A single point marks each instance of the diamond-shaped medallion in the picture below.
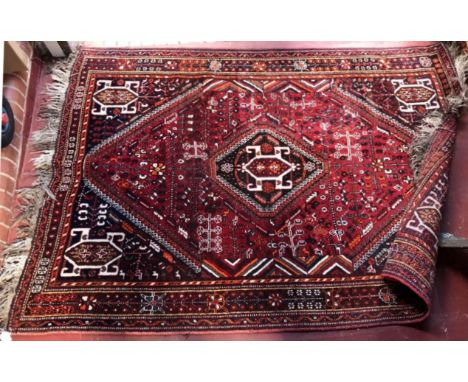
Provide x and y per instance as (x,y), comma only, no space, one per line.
(265,169)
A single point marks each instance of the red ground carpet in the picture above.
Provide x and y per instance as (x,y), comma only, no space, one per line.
(215,190)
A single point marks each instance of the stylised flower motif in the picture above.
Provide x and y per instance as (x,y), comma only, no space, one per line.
(387,296)
(267,148)
(152,303)
(312,292)
(309,166)
(216,302)
(84,254)
(275,300)
(300,65)
(171,65)
(345,65)
(227,167)
(157,169)
(215,65)
(425,62)
(101,254)
(259,66)
(87,303)
(261,167)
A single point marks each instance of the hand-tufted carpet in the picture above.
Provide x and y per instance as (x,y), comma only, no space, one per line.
(214,190)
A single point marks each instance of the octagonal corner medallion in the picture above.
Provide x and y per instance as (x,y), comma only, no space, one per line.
(265,168)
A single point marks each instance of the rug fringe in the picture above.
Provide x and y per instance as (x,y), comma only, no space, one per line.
(14,259)
(435,120)
(32,199)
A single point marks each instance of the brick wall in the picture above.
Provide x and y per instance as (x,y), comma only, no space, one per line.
(15,89)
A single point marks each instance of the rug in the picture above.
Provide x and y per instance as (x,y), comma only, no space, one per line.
(216,190)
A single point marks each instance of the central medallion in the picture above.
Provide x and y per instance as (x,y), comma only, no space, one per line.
(265,168)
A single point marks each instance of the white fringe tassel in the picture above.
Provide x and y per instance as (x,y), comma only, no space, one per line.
(32,199)
(435,120)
